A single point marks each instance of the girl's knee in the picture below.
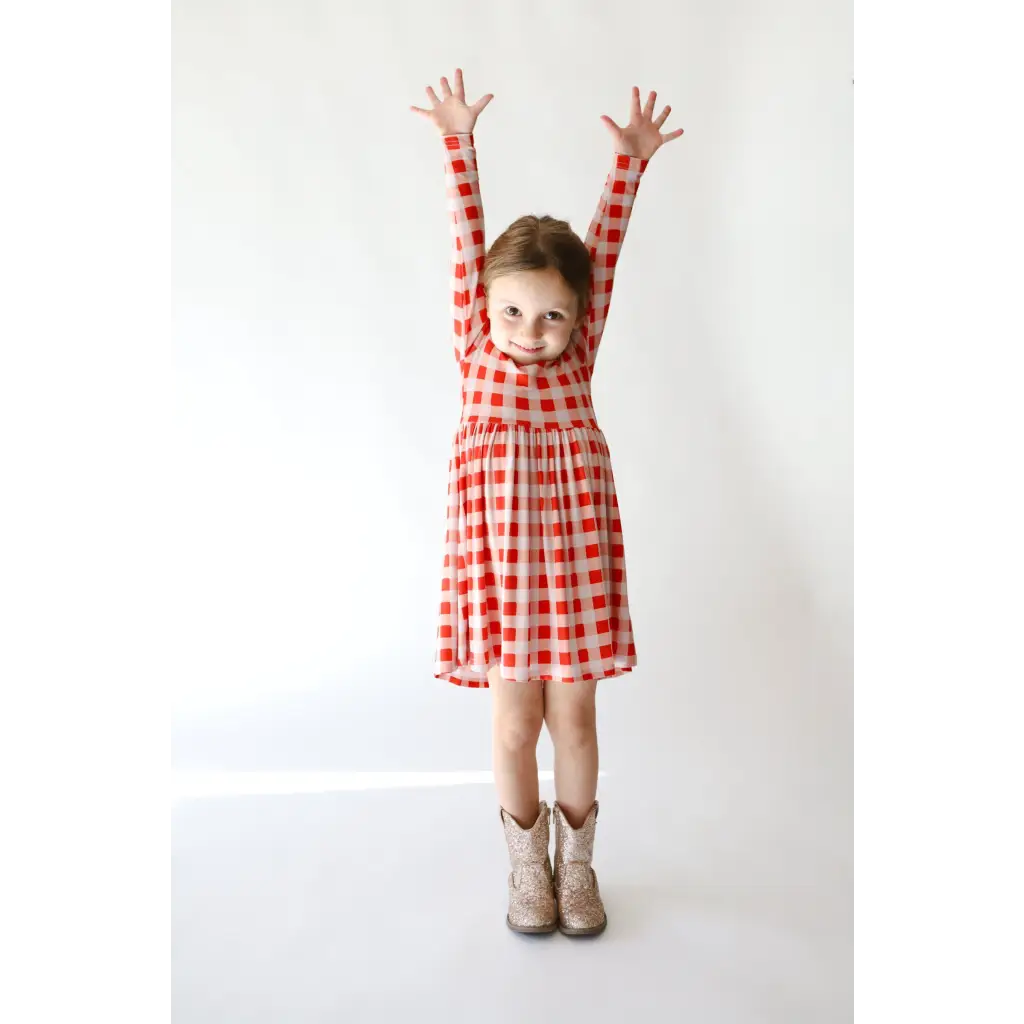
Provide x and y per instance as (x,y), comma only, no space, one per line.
(572,730)
(518,729)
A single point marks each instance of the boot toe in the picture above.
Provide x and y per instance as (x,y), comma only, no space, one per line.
(533,918)
(583,921)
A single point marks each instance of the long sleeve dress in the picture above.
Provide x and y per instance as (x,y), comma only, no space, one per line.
(534,576)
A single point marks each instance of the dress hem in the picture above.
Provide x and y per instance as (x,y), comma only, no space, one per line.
(474,682)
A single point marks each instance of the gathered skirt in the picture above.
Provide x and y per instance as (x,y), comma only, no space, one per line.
(534,575)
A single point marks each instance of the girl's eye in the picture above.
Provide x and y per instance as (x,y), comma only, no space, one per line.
(512,310)
(557,316)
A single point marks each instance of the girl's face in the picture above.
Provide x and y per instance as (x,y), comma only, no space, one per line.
(533,314)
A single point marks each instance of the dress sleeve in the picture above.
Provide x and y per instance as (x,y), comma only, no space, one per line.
(604,240)
(467,227)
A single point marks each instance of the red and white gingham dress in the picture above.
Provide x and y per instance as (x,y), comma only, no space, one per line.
(534,575)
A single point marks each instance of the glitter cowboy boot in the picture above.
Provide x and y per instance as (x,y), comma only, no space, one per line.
(580,909)
(531,895)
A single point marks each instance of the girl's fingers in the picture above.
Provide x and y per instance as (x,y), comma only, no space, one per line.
(482,102)
(460,90)
(432,96)
(420,110)
(672,135)
(635,104)
(649,107)
(662,117)
(446,89)
(611,126)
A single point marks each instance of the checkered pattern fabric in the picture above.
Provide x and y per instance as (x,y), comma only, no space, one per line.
(534,576)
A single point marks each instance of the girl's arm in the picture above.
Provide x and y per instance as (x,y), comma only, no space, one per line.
(634,146)
(604,239)
(455,121)
(467,227)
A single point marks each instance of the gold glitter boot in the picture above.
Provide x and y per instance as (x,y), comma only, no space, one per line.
(531,894)
(580,908)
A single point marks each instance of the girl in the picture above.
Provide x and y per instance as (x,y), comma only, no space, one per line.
(533,602)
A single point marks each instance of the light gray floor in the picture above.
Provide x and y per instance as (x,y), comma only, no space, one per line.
(730,903)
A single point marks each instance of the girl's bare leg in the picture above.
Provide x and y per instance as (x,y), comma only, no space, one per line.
(571,715)
(518,716)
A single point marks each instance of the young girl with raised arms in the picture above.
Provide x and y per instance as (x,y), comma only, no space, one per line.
(533,592)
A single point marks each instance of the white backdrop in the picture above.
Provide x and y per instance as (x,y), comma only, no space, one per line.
(318,392)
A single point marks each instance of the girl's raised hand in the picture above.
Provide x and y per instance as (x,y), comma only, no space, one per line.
(642,136)
(450,114)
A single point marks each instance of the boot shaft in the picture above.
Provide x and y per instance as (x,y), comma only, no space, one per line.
(574,845)
(528,846)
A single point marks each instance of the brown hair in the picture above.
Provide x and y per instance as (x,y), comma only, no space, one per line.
(536,243)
